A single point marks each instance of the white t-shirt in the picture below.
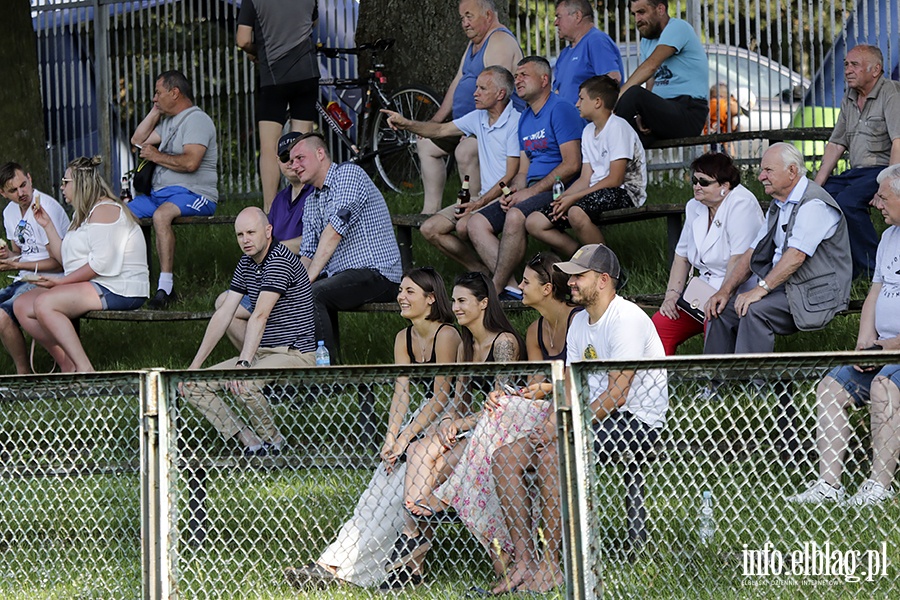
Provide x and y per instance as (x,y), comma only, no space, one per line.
(615,141)
(887,273)
(31,238)
(624,332)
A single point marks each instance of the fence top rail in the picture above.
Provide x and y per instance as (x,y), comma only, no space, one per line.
(772,135)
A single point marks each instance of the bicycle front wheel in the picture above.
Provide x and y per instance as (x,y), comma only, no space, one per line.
(396,157)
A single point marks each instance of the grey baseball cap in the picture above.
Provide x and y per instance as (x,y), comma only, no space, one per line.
(593,257)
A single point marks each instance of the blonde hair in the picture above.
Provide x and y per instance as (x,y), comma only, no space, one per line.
(89,188)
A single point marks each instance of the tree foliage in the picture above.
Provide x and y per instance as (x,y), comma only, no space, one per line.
(22,125)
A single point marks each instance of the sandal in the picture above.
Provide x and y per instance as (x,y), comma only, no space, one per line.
(447,515)
(406,549)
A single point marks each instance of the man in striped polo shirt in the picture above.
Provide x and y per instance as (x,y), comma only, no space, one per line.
(280,333)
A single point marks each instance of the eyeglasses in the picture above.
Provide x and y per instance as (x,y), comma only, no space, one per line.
(64,181)
(702,182)
(20,232)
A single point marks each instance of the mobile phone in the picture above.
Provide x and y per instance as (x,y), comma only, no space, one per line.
(509,390)
(30,277)
(138,146)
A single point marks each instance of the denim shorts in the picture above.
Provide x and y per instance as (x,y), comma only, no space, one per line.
(9,294)
(497,217)
(112,301)
(245,302)
(858,384)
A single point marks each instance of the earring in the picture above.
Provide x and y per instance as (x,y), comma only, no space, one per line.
(722,193)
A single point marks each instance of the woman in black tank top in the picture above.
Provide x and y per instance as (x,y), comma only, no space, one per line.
(431,338)
(545,289)
(487,336)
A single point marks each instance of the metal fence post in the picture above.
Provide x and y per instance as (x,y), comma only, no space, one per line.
(568,418)
(154,487)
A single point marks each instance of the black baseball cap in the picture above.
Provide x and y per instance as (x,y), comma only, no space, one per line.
(285,144)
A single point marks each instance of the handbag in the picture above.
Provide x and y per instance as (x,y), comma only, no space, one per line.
(142,180)
(694,298)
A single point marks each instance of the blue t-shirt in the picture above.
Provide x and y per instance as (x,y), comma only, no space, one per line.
(685,73)
(595,54)
(541,135)
(472,66)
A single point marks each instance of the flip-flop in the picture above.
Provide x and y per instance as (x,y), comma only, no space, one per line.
(448,515)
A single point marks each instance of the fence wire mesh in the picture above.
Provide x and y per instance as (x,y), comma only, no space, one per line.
(70,484)
(708,509)
(246,526)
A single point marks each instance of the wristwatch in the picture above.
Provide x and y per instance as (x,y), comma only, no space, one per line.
(764,285)
(243,363)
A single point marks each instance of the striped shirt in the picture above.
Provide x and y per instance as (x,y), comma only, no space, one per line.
(353,206)
(291,322)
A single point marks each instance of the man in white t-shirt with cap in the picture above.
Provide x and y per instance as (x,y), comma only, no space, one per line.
(26,251)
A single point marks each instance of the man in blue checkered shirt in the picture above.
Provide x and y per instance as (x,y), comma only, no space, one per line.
(348,248)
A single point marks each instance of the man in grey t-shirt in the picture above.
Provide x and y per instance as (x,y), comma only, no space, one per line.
(181,139)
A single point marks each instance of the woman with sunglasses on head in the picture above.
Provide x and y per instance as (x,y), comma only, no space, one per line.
(545,289)
(104,257)
(360,550)
(721,223)
(487,336)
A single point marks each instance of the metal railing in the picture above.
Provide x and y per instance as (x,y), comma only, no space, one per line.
(98,59)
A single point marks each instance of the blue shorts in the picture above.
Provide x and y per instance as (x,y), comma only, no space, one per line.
(190,204)
(858,384)
(9,294)
(112,301)
(497,217)
(245,302)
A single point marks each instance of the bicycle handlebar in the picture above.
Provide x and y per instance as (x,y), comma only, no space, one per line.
(379,45)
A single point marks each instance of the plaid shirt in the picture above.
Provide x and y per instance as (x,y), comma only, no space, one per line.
(354,207)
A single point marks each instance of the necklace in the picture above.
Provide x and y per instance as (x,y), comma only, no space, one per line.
(423,344)
(551,330)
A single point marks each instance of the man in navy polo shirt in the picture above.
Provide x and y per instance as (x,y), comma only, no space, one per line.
(280,333)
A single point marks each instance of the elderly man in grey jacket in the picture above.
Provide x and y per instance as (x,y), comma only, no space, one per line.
(801,258)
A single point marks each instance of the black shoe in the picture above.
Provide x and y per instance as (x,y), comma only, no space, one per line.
(407,549)
(400,579)
(161,300)
(310,577)
(267,449)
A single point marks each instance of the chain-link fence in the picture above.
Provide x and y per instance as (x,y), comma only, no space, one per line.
(70,486)
(715,503)
(239,522)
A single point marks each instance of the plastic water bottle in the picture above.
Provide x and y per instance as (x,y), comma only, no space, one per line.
(706,525)
(323,359)
(558,188)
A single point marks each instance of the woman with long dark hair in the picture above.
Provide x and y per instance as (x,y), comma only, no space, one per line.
(487,336)
(359,551)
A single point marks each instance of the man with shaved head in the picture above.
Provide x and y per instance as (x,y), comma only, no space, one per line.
(280,333)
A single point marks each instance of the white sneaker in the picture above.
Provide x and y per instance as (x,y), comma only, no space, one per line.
(870,493)
(818,492)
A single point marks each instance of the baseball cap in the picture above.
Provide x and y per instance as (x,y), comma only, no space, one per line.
(593,257)
(284,145)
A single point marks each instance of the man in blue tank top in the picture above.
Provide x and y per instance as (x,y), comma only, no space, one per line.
(490,43)
(590,51)
(675,68)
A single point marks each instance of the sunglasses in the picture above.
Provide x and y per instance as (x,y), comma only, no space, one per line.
(702,182)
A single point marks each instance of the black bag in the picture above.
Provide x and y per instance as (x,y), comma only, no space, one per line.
(143,177)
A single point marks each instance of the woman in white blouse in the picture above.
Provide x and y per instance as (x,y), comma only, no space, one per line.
(105,261)
(721,222)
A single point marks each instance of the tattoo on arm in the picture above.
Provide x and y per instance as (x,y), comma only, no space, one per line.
(506,350)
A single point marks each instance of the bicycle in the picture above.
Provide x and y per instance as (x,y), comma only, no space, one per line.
(394,152)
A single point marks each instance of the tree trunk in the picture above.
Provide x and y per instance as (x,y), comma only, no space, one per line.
(430,41)
(22,125)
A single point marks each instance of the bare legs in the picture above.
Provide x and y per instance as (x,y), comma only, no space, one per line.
(47,315)
(584,229)
(434,170)
(885,416)
(833,429)
(438,231)
(14,342)
(505,253)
